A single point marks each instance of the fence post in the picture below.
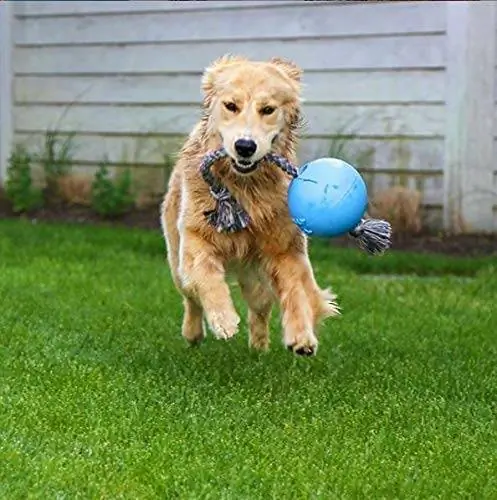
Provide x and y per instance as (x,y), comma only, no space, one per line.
(469,141)
(6,121)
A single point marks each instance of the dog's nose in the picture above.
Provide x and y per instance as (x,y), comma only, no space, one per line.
(245,147)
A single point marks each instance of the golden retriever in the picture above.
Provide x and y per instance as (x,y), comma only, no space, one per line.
(250,108)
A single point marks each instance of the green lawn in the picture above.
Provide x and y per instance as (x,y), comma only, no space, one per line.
(101,398)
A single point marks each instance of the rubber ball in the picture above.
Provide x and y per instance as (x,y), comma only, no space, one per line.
(328,198)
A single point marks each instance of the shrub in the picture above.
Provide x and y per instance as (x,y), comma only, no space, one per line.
(19,188)
(111,198)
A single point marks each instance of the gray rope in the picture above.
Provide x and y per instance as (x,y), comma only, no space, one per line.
(283,163)
(373,235)
(228,215)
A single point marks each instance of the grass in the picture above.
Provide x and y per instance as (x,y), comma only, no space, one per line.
(100,397)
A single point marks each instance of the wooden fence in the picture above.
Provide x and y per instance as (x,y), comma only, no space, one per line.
(409,84)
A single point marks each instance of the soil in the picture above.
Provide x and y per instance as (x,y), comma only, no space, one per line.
(456,245)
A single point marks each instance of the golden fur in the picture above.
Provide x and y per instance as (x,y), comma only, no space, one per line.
(259,100)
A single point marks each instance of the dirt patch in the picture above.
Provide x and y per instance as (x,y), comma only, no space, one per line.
(145,218)
(148,218)
(468,245)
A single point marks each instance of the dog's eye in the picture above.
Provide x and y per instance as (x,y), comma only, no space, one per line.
(231,106)
(267,110)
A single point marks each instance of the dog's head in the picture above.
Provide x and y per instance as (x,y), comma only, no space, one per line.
(250,105)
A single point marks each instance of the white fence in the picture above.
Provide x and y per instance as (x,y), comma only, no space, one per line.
(412,83)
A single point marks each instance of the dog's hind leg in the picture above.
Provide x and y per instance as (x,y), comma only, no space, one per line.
(193,324)
(259,297)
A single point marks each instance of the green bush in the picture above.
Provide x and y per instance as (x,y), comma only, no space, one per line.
(19,187)
(111,198)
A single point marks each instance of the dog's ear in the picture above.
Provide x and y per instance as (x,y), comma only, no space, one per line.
(288,67)
(213,71)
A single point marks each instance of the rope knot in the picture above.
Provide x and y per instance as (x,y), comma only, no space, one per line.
(221,194)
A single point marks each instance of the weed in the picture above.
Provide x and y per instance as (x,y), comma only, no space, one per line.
(340,147)
(168,159)
(111,198)
(401,206)
(147,178)
(56,159)
(168,162)
(19,187)
(75,189)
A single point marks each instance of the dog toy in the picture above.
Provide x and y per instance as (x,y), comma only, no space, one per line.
(327,198)
(373,235)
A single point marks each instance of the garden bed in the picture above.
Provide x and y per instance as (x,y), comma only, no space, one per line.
(463,245)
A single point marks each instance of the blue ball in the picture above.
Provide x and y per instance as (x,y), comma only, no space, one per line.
(328,198)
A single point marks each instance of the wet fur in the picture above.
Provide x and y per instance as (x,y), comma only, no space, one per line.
(269,258)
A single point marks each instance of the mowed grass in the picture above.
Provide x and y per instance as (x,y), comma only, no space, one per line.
(101,398)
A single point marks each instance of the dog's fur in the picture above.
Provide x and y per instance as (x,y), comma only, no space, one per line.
(260,101)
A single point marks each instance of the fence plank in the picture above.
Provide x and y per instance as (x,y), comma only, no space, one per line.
(106,7)
(386,121)
(321,19)
(430,187)
(6,111)
(398,156)
(319,87)
(415,51)
(470,116)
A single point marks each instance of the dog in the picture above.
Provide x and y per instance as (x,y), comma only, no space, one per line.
(250,108)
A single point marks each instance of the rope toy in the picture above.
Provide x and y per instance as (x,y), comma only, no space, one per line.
(228,216)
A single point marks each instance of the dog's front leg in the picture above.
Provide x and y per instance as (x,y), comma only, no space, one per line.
(202,277)
(303,303)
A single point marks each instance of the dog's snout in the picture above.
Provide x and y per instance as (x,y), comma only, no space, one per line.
(245,147)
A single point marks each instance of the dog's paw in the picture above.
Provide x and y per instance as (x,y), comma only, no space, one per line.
(194,339)
(304,344)
(224,325)
(193,330)
(259,343)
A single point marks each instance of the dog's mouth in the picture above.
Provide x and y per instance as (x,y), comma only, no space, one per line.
(245,166)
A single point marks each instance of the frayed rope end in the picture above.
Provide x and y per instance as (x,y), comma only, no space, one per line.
(373,235)
(228,216)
